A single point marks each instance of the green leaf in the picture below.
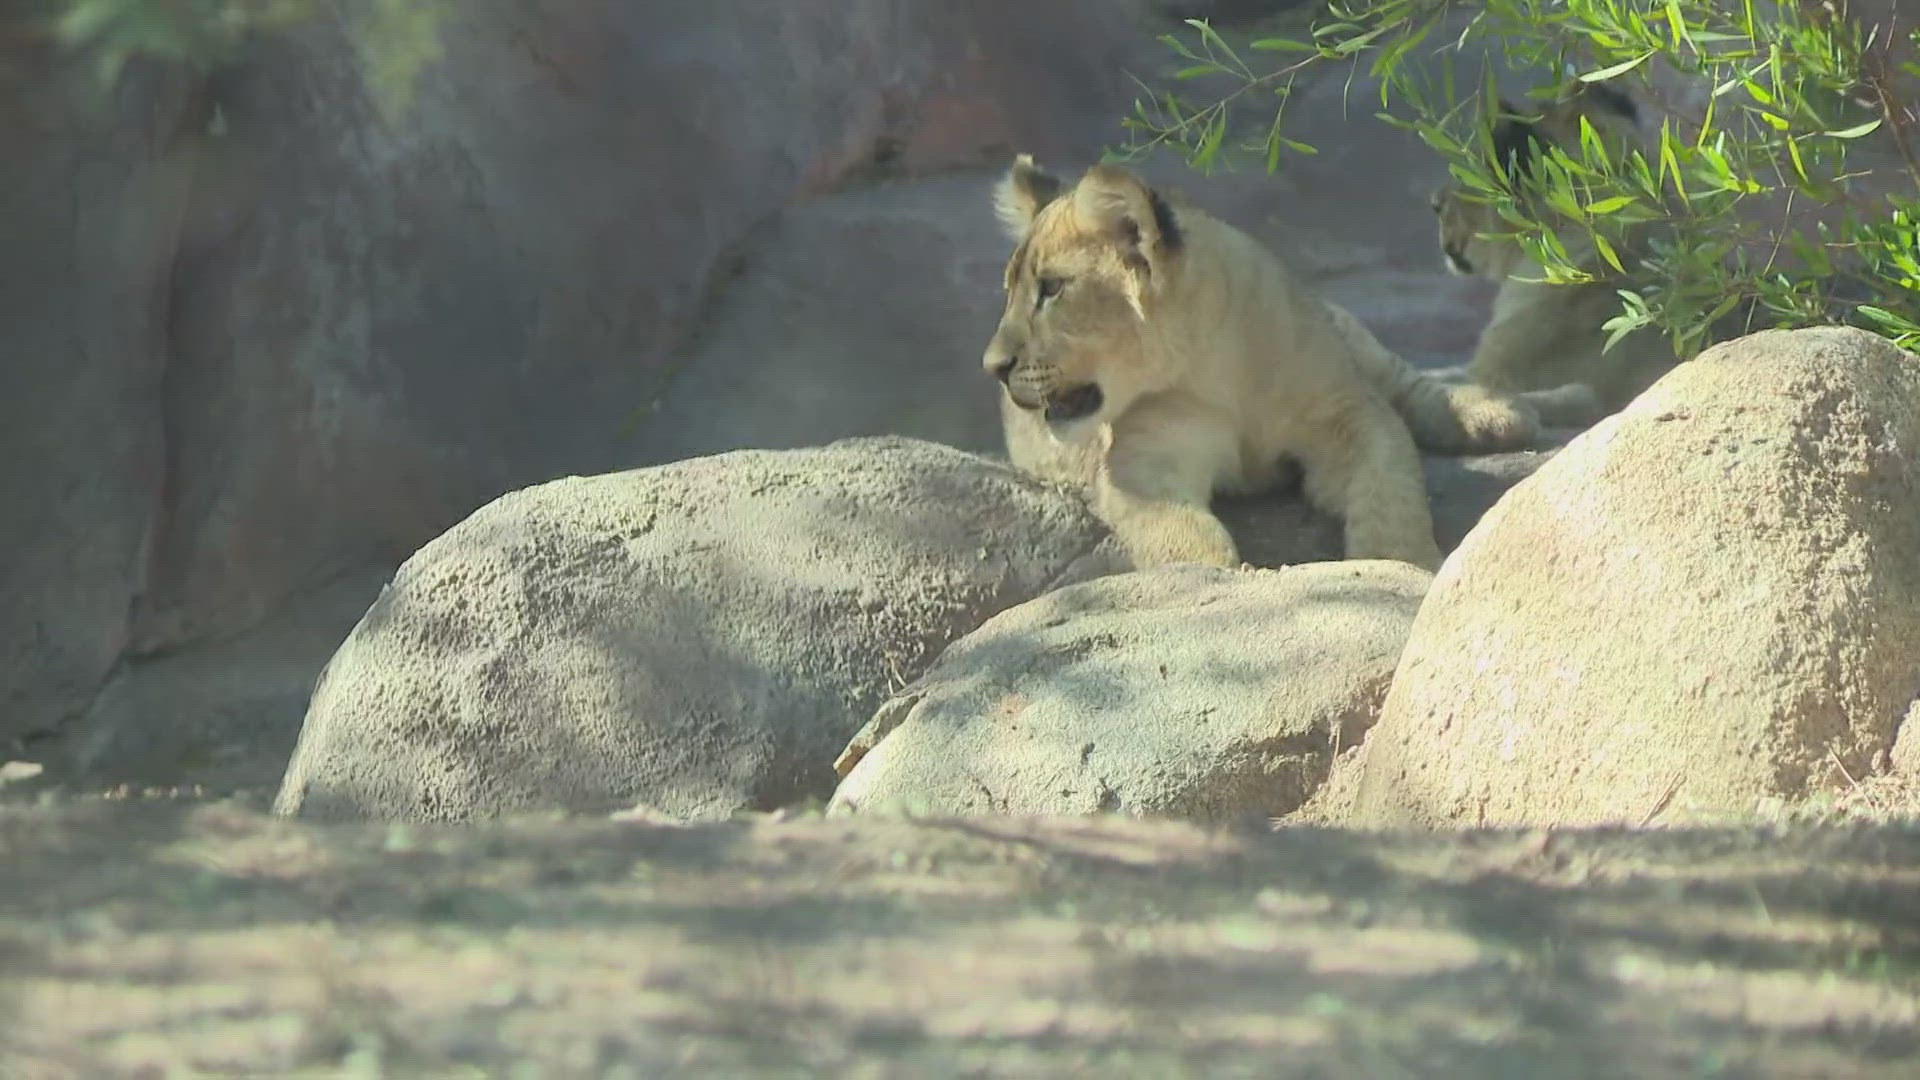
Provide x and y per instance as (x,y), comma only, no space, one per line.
(1209,148)
(1196,71)
(1355,44)
(1621,68)
(1274,44)
(1611,205)
(1799,166)
(1620,326)
(1590,147)
(1607,252)
(1677,24)
(1854,132)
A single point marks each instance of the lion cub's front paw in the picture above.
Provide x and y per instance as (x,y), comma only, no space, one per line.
(1169,533)
(1402,533)
(1494,423)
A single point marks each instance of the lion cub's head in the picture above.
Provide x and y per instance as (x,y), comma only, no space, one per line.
(1470,230)
(1092,262)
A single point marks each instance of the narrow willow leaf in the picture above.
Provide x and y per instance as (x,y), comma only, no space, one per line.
(1607,252)
(1677,24)
(1854,132)
(1355,44)
(1274,44)
(1620,326)
(1799,166)
(1621,68)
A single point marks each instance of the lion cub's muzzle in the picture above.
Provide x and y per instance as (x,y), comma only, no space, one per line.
(1058,406)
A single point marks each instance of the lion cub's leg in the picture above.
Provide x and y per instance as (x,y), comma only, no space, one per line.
(1156,486)
(1363,467)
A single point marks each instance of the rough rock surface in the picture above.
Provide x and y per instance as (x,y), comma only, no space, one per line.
(1189,691)
(1706,604)
(697,638)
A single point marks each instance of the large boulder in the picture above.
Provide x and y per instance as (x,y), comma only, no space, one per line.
(1185,691)
(698,638)
(1707,603)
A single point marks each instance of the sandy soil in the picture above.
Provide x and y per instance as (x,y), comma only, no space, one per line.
(147,938)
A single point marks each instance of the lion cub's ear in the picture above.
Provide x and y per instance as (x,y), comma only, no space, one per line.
(1114,202)
(1020,195)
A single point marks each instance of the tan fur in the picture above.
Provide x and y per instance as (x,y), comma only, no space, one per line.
(1544,335)
(1178,357)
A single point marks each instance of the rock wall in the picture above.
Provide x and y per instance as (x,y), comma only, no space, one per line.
(271,324)
(90,209)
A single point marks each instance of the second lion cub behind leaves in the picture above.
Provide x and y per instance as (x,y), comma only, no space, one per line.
(1157,355)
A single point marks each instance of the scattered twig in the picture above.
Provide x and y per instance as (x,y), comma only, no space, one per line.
(1838,764)
(1673,788)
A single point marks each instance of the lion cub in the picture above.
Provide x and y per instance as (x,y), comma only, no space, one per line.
(1156,355)
(1540,334)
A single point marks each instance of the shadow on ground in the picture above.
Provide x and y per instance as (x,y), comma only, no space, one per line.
(144,937)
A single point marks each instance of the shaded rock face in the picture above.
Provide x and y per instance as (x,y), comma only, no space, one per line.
(391,312)
(1707,603)
(90,212)
(1186,691)
(859,313)
(1279,528)
(697,638)
(307,326)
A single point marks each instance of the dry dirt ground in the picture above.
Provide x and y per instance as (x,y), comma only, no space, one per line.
(158,938)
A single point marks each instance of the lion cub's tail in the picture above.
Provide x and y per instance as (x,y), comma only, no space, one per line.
(1464,418)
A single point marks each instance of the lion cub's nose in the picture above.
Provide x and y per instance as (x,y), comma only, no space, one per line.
(1004,368)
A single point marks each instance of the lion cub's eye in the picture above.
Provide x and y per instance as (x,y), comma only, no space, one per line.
(1050,287)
